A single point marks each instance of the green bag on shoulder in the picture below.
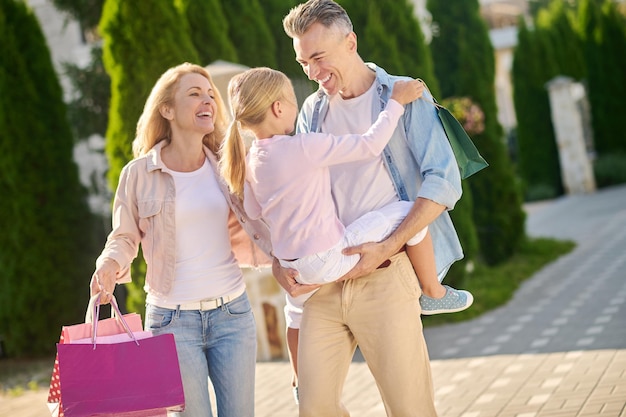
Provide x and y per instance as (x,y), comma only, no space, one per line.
(467,156)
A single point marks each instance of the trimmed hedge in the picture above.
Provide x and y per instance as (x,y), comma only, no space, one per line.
(465,66)
(47,240)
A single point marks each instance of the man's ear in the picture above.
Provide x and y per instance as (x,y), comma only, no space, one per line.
(351,42)
(167,112)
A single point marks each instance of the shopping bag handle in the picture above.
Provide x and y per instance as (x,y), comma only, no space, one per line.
(432,101)
(95,308)
(89,314)
(92,301)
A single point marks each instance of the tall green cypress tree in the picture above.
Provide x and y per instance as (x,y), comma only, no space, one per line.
(250,33)
(275,11)
(209,30)
(464,65)
(551,49)
(376,44)
(559,23)
(615,76)
(390,35)
(538,159)
(141,41)
(399,19)
(603,29)
(47,241)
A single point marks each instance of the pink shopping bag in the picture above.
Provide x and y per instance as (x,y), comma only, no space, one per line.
(76,391)
(137,378)
(76,332)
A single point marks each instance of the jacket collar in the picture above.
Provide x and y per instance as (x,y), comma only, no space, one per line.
(382,78)
(153,157)
(319,105)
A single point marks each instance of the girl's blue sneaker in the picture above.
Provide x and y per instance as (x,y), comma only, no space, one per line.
(452,302)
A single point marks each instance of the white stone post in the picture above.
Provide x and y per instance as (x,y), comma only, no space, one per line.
(569,130)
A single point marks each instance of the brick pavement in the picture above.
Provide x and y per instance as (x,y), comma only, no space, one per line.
(578,383)
(577,302)
(563,384)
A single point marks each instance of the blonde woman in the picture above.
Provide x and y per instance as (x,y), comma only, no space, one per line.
(172,201)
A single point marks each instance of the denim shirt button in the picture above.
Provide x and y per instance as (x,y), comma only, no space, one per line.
(242,219)
(256,236)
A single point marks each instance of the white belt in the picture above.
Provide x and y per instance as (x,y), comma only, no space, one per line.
(204,305)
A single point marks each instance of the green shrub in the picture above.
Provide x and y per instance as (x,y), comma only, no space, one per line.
(610,169)
(538,192)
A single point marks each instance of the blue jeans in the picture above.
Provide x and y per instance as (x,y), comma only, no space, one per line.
(218,344)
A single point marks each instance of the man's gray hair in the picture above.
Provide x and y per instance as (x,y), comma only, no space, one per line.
(326,12)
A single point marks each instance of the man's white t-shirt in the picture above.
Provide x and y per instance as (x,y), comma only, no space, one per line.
(362,186)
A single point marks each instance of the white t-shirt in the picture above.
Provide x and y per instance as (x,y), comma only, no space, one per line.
(362,186)
(205,267)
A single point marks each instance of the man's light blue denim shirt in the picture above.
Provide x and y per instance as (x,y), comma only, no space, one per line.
(418,157)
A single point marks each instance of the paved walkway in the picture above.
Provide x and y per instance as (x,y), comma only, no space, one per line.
(577,302)
(557,349)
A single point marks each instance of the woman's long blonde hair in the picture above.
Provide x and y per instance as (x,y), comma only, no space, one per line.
(153,128)
(251,94)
